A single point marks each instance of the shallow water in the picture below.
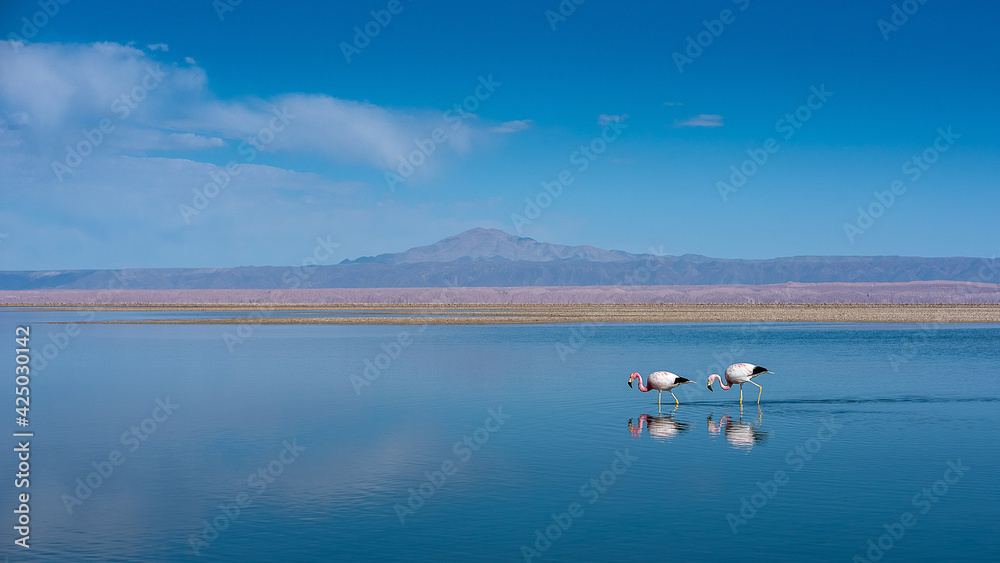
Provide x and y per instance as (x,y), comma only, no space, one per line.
(470,442)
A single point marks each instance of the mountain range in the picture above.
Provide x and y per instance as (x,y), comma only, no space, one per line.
(493,258)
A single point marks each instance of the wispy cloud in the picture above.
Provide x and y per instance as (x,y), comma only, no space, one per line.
(673,103)
(60,89)
(702,120)
(606,119)
(148,140)
(513,126)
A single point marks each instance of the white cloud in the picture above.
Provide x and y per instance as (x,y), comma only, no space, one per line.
(605,119)
(513,126)
(190,60)
(702,120)
(65,89)
(673,103)
(148,139)
(159,47)
(342,130)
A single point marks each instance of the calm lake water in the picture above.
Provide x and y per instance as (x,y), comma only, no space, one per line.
(506,443)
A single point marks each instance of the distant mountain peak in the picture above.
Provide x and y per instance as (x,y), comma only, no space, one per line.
(486,245)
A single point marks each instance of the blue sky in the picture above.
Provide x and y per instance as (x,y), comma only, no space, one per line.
(314,139)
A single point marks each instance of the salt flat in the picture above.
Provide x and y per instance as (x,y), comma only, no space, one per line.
(442,314)
(895,292)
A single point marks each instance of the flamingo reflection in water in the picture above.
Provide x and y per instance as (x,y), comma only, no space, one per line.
(659,427)
(740,435)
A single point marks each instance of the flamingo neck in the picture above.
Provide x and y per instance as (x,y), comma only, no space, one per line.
(642,387)
(715,376)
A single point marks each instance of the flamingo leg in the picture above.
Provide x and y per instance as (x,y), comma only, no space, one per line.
(741,394)
(759,392)
(658,398)
(675,398)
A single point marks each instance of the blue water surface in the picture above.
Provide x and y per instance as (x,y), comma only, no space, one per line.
(505,442)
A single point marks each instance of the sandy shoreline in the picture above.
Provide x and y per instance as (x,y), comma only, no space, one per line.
(425,313)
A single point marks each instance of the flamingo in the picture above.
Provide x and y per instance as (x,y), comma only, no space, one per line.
(661,381)
(739,373)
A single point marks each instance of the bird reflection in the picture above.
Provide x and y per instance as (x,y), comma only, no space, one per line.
(659,427)
(740,435)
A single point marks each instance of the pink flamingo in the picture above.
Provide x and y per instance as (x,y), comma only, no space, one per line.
(739,374)
(661,381)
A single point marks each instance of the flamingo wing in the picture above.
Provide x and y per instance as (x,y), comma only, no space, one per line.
(738,373)
(662,380)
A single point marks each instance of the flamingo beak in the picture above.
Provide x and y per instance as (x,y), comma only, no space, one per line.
(630,383)
(710,386)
